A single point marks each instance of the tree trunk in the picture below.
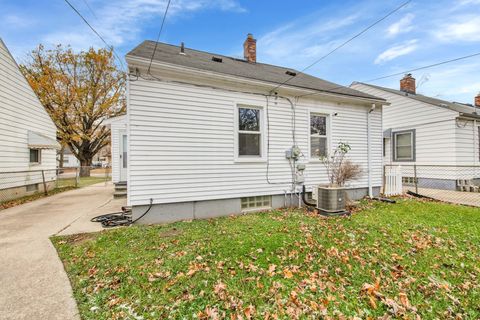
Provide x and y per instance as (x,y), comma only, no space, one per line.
(85,166)
(60,164)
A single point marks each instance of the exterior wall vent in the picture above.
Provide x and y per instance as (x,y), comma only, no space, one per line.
(290,73)
(217,59)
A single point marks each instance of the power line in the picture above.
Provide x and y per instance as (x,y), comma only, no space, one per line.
(343,44)
(398,73)
(426,67)
(158,37)
(95,31)
(90,9)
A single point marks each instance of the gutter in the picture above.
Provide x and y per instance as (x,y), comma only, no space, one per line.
(469,116)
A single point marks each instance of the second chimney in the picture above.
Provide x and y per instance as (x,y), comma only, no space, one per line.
(250,49)
(407,84)
(477,100)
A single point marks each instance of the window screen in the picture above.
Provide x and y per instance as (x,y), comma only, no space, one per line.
(249,132)
(318,136)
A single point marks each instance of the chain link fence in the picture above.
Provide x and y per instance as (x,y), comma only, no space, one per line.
(19,184)
(450,183)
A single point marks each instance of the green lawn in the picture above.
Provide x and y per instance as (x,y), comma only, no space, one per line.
(399,260)
(83,181)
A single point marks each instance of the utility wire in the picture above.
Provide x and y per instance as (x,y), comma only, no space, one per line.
(158,37)
(343,44)
(90,9)
(398,73)
(426,67)
(95,31)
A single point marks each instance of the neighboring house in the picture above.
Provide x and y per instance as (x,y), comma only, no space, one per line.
(119,149)
(211,135)
(103,157)
(69,159)
(27,134)
(118,144)
(440,137)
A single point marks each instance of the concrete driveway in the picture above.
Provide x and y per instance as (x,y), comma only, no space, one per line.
(33,283)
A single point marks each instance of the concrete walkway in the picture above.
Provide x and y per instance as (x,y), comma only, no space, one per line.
(456,197)
(33,283)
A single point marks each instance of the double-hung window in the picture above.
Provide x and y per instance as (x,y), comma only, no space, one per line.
(404,145)
(318,136)
(249,132)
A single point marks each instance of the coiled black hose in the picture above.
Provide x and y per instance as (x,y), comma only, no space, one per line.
(116,219)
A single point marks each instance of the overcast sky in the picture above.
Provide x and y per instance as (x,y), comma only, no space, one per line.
(289,33)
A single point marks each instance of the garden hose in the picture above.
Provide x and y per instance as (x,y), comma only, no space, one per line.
(122,218)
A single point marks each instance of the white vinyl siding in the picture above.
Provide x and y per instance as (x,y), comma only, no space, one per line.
(182,144)
(467,142)
(435,128)
(21,111)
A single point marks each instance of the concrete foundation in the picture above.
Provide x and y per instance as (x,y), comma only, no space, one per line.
(171,212)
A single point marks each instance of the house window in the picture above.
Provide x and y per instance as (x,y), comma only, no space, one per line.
(249,132)
(404,145)
(34,156)
(256,203)
(32,187)
(318,136)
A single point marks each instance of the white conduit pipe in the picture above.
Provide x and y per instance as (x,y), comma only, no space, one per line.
(369,151)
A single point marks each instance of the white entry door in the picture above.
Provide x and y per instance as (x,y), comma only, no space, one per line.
(123,155)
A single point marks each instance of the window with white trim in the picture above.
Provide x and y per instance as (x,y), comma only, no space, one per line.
(404,145)
(35,156)
(318,136)
(250,131)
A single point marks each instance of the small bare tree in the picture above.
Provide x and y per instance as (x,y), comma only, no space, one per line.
(339,169)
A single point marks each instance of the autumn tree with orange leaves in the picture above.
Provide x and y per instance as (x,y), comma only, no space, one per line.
(79,91)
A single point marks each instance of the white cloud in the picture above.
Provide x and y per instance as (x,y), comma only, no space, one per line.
(397,51)
(401,26)
(120,21)
(468,2)
(454,82)
(14,21)
(466,29)
(304,38)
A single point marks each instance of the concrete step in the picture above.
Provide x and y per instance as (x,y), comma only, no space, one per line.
(118,195)
(120,187)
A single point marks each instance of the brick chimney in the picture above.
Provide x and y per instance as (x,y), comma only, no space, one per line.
(477,100)
(250,49)
(407,84)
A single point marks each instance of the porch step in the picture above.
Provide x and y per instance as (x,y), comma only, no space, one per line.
(120,190)
(120,194)
(119,187)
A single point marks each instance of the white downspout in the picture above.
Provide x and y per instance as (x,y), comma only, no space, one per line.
(369,152)
(476,142)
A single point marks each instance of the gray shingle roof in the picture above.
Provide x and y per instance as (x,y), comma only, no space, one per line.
(238,67)
(465,109)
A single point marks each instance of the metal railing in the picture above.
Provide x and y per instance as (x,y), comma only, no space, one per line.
(450,183)
(18,184)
